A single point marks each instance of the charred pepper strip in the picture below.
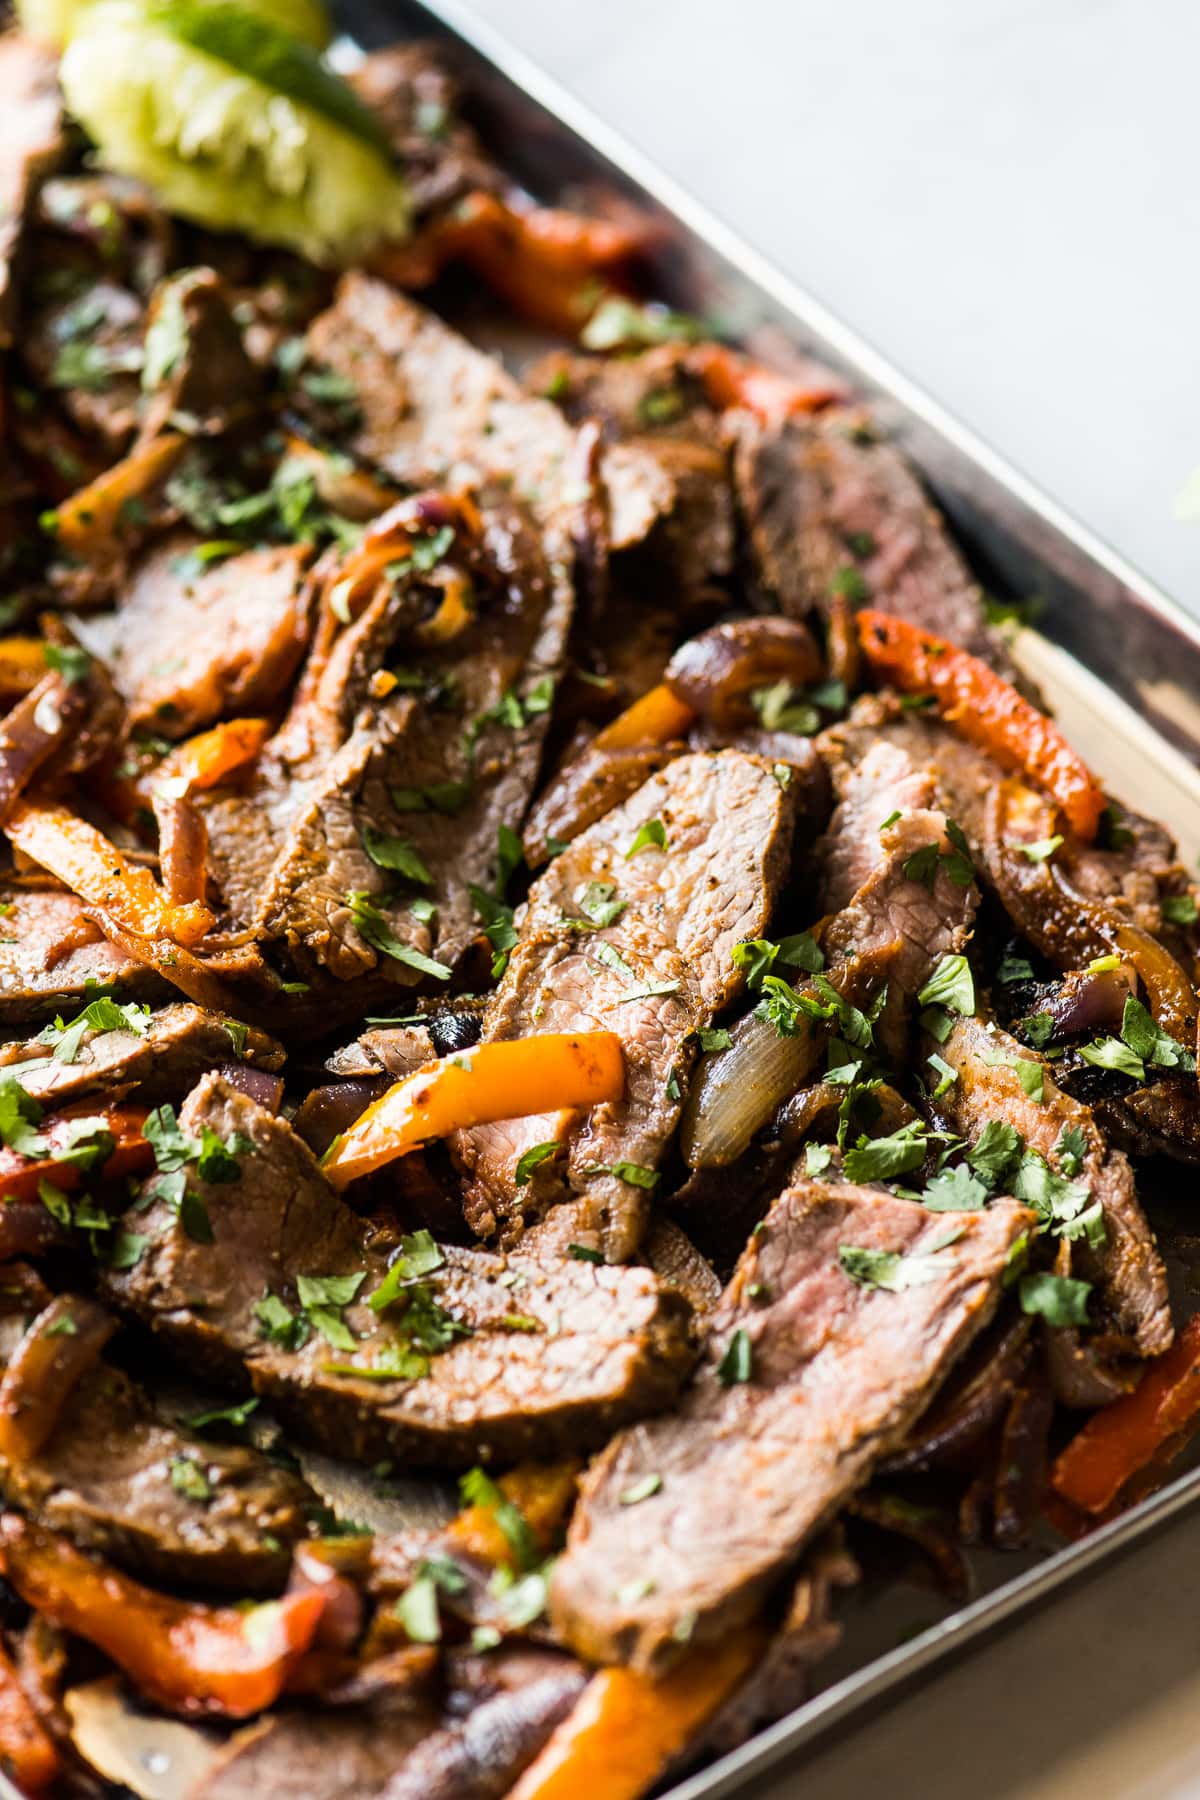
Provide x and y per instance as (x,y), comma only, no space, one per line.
(507,1080)
(187,1657)
(1123,1438)
(986,709)
(626,1727)
(92,867)
(26,1753)
(21,1176)
(733,380)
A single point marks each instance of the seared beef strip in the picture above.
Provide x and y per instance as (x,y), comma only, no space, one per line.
(435,409)
(190,643)
(442,768)
(123,1480)
(32,142)
(205,379)
(660,971)
(176,1045)
(50,954)
(551,1353)
(415,99)
(831,508)
(1133,878)
(1130,1272)
(810,1377)
(656,403)
(495,1717)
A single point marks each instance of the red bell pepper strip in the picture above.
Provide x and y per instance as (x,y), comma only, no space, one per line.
(180,1654)
(984,708)
(27,1755)
(1121,1439)
(20,1176)
(733,380)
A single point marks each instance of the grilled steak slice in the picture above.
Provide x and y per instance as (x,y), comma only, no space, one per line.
(541,1354)
(1134,877)
(494,1718)
(657,973)
(809,1378)
(415,99)
(1128,1269)
(435,409)
(33,141)
(656,403)
(163,1060)
(441,768)
(498,1718)
(51,954)
(123,1480)
(210,379)
(822,495)
(189,644)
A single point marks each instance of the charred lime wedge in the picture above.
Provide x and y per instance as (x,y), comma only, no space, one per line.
(234,123)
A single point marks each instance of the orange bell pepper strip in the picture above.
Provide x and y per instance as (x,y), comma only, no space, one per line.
(27,1755)
(655,717)
(92,867)
(1121,1439)
(733,380)
(985,709)
(211,756)
(180,1654)
(22,664)
(90,520)
(548,263)
(21,1176)
(507,1080)
(626,1728)
(542,1493)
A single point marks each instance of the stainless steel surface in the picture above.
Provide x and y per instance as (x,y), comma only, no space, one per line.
(1119,659)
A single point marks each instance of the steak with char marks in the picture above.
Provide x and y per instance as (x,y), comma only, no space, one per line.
(828,1377)
(440,761)
(176,1046)
(824,495)
(1128,1268)
(661,970)
(121,1479)
(551,1353)
(435,409)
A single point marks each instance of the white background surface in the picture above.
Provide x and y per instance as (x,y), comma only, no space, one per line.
(1004,196)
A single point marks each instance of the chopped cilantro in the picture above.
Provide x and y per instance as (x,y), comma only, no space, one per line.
(582,1253)
(737,1364)
(951,985)
(478,1489)
(880,1159)
(1041,851)
(1179,909)
(374,929)
(1058,1299)
(189,1479)
(713,1037)
(635,1174)
(954,1190)
(650,836)
(532,1159)
(393,853)
(641,1490)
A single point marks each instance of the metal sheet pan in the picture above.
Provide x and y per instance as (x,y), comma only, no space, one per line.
(1119,660)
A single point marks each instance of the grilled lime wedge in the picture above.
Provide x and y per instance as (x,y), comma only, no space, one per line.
(234,123)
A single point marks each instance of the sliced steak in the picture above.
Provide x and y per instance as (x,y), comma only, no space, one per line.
(656,403)
(190,644)
(51,955)
(1128,1269)
(175,1046)
(441,763)
(340,1753)
(415,98)
(32,143)
(824,494)
(88,349)
(498,1718)
(656,974)
(550,1353)
(435,409)
(121,1479)
(1133,878)
(827,1377)
(204,375)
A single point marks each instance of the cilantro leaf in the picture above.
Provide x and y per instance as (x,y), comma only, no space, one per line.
(532,1159)
(394,853)
(1058,1299)
(737,1364)
(955,1190)
(951,985)
(374,929)
(880,1159)
(650,836)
